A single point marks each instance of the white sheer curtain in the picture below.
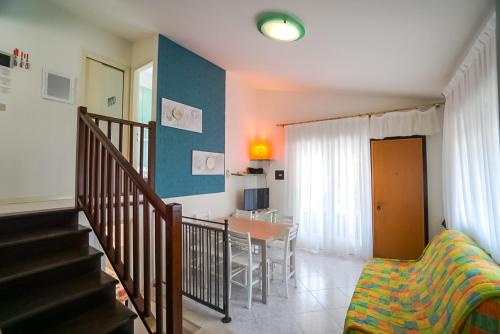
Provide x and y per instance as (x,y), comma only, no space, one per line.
(407,123)
(471,146)
(328,185)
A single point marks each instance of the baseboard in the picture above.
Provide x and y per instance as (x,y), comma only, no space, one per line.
(38,199)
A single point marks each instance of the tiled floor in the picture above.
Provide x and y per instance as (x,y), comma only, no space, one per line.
(318,304)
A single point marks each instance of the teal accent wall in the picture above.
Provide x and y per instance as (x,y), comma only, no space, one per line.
(188,78)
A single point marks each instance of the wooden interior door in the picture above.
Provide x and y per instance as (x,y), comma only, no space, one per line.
(399,197)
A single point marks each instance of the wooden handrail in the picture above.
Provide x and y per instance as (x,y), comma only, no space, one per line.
(115,120)
(105,181)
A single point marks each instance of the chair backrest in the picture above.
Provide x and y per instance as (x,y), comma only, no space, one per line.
(291,239)
(264,216)
(242,243)
(285,220)
(243,214)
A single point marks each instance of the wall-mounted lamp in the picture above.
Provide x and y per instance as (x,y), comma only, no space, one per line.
(260,150)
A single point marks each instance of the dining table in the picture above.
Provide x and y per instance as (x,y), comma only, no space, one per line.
(261,234)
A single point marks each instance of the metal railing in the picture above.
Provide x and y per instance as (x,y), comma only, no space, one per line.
(205,263)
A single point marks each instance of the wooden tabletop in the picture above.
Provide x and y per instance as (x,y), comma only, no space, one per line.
(259,230)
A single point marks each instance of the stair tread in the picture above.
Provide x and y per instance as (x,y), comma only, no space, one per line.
(49,232)
(101,319)
(32,300)
(21,267)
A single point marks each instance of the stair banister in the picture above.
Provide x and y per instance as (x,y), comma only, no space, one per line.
(103,174)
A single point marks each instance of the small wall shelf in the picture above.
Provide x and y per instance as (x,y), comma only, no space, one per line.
(246,174)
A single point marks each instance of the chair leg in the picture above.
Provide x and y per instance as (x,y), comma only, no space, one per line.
(285,272)
(294,269)
(249,287)
(268,280)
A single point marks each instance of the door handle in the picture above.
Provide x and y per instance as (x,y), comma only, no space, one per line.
(378,206)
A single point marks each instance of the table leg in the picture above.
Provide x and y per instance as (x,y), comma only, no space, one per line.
(263,252)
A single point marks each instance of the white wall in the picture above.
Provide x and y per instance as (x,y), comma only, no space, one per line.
(240,126)
(283,107)
(37,136)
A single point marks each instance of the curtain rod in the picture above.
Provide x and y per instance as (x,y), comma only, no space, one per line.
(436,104)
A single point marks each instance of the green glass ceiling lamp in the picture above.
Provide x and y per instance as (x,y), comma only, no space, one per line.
(281,27)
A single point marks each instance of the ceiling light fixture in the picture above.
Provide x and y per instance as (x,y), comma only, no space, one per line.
(281,27)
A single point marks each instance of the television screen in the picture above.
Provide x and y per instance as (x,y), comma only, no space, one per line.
(256,199)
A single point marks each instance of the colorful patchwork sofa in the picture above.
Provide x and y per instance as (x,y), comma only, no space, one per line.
(453,288)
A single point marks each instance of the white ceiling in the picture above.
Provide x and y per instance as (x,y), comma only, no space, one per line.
(394,47)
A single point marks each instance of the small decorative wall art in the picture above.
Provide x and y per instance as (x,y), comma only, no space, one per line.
(181,116)
(208,163)
(21,59)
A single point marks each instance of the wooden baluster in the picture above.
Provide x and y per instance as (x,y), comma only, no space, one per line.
(126,228)
(103,197)
(91,173)
(173,268)
(120,139)
(147,256)
(86,159)
(158,272)
(109,199)
(118,208)
(97,172)
(151,153)
(141,153)
(109,130)
(135,242)
(131,146)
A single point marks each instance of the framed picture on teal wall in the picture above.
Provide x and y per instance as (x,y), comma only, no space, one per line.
(181,116)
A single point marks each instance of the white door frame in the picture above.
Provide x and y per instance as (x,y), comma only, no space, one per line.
(133,110)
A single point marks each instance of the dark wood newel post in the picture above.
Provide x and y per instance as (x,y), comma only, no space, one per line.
(151,153)
(80,158)
(173,268)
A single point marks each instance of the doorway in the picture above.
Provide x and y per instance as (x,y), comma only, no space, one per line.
(143,93)
(399,204)
(142,108)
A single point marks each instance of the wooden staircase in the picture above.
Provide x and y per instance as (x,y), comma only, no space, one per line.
(51,281)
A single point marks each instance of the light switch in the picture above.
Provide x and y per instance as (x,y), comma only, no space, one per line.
(3,107)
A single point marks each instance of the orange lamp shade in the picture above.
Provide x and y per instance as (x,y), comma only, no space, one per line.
(260,150)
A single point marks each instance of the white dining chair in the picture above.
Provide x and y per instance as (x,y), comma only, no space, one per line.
(264,216)
(241,262)
(243,214)
(284,256)
(284,220)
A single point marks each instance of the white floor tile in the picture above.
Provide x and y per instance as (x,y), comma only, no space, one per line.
(338,315)
(318,304)
(331,298)
(318,323)
(279,325)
